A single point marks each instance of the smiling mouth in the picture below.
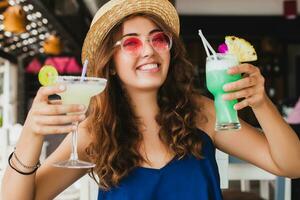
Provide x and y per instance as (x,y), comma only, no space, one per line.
(149,68)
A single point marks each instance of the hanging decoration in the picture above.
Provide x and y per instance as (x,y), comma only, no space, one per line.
(64,64)
(4,4)
(14,19)
(34,66)
(26,28)
(52,45)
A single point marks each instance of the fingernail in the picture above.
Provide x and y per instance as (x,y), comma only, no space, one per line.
(81,117)
(235,107)
(81,107)
(225,87)
(224,97)
(62,87)
(74,128)
(231,70)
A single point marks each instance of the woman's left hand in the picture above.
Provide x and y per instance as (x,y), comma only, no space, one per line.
(250,88)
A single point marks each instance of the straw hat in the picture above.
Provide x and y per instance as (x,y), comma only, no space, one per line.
(115,10)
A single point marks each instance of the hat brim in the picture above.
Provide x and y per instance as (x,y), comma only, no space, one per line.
(114,11)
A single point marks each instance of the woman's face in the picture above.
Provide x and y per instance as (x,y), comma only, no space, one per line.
(146,70)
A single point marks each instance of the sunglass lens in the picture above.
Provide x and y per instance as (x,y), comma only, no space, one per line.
(161,41)
(132,45)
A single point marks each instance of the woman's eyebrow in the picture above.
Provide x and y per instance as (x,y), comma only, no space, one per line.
(129,34)
(154,31)
(135,34)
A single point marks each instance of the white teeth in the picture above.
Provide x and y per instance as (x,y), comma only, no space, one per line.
(148,67)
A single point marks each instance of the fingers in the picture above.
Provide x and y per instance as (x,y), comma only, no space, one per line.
(46,91)
(240,84)
(47,119)
(55,102)
(250,88)
(58,109)
(58,120)
(239,94)
(252,77)
(243,68)
(252,101)
(45,130)
(242,104)
(51,116)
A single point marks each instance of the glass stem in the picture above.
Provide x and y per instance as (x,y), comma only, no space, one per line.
(74,154)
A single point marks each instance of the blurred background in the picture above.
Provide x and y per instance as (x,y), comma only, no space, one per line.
(38,32)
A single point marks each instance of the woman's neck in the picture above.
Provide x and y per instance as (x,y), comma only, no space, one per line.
(145,107)
(153,150)
(144,103)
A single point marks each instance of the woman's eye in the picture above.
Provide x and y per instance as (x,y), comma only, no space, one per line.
(131,42)
(160,38)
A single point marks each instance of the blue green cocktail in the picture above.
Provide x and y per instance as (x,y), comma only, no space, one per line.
(216,77)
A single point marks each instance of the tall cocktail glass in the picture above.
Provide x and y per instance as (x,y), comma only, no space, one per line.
(78,91)
(216,77)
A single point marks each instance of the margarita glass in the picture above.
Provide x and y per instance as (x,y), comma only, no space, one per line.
(79,90)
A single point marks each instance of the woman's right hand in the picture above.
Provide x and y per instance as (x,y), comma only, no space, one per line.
(49,117)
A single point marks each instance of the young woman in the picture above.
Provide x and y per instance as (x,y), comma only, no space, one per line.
(150,133)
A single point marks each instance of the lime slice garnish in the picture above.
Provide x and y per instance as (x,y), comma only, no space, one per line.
(244,51)
(47,75)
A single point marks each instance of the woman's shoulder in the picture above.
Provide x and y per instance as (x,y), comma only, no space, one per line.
(204,102)
(205,119)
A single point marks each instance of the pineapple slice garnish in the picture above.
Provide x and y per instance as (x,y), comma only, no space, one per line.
(244,51)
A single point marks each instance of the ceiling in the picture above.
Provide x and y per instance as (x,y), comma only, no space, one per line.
(93,5)
(69,20)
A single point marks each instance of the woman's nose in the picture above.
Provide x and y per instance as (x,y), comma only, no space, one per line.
(147,49)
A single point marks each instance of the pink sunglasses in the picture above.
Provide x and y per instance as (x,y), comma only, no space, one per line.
(133,45)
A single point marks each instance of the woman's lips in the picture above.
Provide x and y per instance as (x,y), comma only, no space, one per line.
(149,68)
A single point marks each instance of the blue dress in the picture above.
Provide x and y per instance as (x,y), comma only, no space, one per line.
(187,178)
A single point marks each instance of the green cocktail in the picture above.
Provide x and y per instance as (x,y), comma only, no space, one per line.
(78,91)
(216,78)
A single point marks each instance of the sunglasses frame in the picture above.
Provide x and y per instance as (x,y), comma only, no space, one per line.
(143,39)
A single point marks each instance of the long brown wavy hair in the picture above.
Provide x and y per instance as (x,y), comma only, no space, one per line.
(115,127)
